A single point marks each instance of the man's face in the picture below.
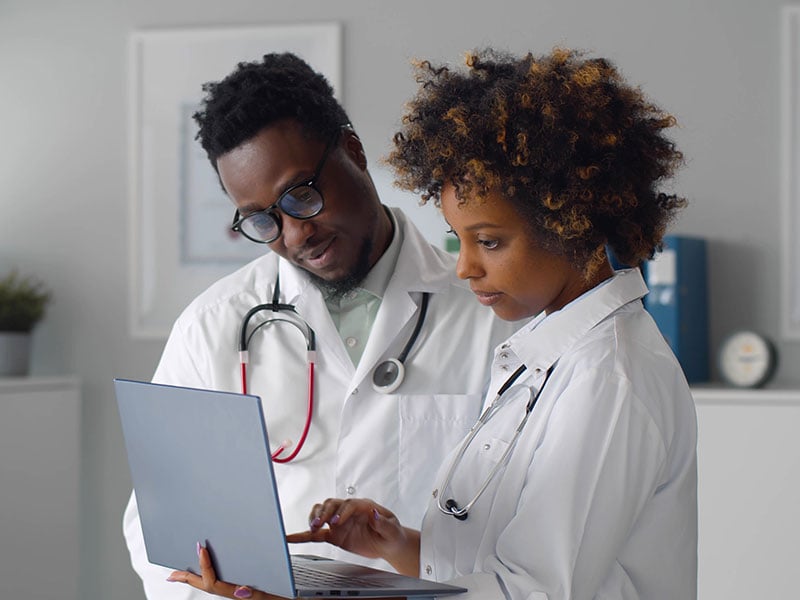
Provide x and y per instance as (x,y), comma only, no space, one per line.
(351,232)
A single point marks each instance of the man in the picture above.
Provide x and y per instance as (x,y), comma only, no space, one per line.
(359,275)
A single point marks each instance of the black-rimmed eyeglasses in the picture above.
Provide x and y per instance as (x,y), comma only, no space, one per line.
(300,201)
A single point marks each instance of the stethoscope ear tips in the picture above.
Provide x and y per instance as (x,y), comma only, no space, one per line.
(388,376)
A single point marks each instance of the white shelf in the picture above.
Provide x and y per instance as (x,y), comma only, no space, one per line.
(26,384)
(748,491)
(716,394)
(39,487)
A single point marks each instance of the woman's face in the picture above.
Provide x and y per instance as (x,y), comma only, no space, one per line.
(507,269)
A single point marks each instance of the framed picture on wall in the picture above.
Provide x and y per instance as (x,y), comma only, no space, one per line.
(179,216)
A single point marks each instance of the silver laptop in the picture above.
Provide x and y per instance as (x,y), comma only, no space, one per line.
(201,469)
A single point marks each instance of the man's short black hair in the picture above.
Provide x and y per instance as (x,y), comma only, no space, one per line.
(258,94)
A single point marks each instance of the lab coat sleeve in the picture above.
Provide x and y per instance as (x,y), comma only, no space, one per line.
(585,485)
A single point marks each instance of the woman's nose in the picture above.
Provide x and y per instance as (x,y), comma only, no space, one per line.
(466,267)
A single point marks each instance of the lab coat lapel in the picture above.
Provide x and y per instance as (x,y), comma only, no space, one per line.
(414,273)
(394,313)
(296,288)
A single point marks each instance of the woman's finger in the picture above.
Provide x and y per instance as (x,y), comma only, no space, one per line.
(324,512)
(318,535)
(207,571)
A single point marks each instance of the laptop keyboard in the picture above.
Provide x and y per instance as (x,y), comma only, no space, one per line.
(308,577)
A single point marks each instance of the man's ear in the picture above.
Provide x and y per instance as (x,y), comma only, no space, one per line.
(354,148)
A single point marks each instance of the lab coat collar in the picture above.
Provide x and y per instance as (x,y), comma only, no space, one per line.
(419,268)
(379,276)
(541,342)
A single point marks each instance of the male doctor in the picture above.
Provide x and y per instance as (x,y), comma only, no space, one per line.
(357,273)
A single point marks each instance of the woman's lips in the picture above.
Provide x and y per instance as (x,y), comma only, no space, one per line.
(488,298)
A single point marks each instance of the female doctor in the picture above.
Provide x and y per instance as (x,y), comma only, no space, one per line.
(579,480)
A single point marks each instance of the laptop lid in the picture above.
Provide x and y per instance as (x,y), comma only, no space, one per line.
(202,472)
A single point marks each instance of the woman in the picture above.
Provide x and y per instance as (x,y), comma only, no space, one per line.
(539,164)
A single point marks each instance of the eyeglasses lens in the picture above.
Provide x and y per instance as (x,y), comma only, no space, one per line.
(261,226)
(302,202)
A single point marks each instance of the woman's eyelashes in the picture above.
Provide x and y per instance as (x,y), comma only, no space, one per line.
(487,243)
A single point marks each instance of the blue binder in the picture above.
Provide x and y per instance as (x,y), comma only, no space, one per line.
(678,301)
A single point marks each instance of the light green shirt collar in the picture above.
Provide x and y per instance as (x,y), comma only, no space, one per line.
(355,313)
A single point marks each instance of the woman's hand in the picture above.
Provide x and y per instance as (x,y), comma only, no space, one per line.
(366,528)
(207,581)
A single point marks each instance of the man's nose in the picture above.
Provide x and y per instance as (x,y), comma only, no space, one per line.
(296,232)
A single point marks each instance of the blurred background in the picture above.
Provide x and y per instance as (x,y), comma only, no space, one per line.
(65,145)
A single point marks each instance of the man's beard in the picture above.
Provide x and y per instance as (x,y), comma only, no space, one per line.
(337,288)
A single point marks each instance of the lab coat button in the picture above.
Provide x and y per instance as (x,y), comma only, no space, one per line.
(504,367)
(487,446)
(428,569)
(504,355)
(435,493)
(355,391)
(351,342)
(350,490)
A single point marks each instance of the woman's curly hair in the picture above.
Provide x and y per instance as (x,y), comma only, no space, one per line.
(260,93)
(578,151)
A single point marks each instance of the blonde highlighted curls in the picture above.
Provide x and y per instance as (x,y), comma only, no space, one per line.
(580,153)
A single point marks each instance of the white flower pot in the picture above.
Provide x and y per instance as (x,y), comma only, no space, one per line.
(15,353)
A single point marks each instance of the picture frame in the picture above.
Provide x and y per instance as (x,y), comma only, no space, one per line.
(790,172)
(180,238)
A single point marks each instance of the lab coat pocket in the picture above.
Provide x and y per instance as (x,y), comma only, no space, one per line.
(430,427)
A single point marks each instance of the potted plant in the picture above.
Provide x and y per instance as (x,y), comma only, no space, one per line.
(23,301)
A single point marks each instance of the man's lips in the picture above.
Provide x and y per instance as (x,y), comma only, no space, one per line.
(319,255)
(487,298)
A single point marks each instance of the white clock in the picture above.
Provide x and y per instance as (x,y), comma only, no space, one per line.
(747,359)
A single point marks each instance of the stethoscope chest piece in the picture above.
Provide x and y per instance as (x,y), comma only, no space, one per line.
(454,509)
(388,376)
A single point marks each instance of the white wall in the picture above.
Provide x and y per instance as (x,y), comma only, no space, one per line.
(63,157)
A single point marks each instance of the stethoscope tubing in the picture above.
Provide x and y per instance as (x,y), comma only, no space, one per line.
(451,507)
(310,337)
(276,307)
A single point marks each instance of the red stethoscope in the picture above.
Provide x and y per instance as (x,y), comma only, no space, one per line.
(310,337)
(386,377)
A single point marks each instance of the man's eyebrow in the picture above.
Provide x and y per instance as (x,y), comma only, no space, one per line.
(298,179)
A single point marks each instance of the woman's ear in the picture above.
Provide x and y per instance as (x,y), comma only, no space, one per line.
(354,148)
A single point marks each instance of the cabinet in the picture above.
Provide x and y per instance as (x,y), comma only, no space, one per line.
(39,488)
(748,493)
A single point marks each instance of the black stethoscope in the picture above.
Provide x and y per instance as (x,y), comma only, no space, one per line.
(386,377)
(507,390)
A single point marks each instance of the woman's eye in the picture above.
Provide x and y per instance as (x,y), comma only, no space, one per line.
(489,244)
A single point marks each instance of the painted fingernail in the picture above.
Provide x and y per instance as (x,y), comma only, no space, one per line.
(243,592)
(198,549)
(375,514)
(335,519)
(172,578)
(316,522)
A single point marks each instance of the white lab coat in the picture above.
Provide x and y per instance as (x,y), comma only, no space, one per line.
(599,499)
(361,443)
